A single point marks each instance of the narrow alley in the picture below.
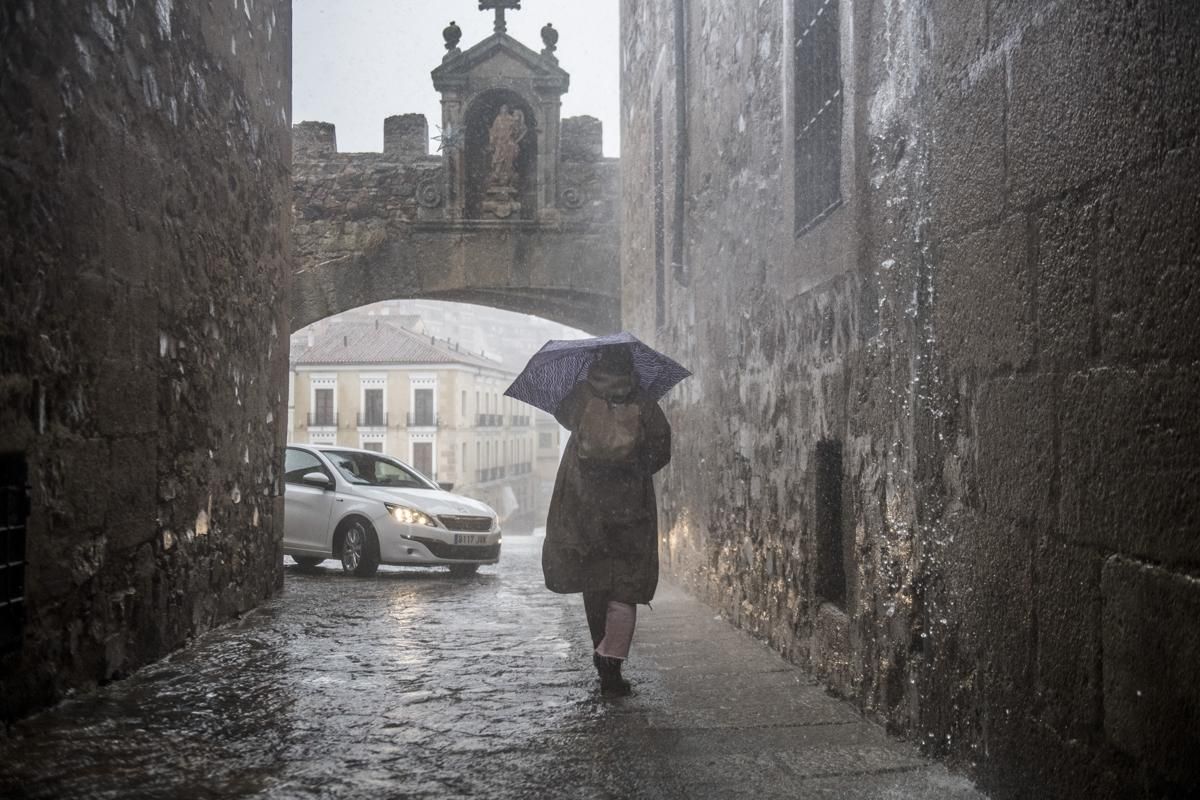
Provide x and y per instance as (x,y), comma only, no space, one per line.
(413,685)
(930,522)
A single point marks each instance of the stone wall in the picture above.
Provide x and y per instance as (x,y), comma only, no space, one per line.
(971,386)
(144,151)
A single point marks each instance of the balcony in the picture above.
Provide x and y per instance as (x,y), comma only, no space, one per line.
(522,469)
(491,474)
(323,419)
(371,420)
(489,421)
(423,421)
(520,421)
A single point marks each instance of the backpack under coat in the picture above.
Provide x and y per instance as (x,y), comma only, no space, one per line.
(609,432)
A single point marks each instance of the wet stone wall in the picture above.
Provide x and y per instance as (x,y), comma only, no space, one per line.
(940,446)
(144,156)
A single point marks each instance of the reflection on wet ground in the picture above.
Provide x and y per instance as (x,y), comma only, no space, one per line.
(414,684)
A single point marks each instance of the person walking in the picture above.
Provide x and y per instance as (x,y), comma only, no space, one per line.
(602,527)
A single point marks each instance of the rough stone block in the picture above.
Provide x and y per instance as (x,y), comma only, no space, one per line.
(830,648)
(82,488)
(1081,78)
(132,483)
(958,30)
(1015,454)
(126,398)
(1068,652)
(1067,248)
(1151,649)
(967,166)
(1149,263)
(406,136)
(1130,481)
(984,312)
(985,566)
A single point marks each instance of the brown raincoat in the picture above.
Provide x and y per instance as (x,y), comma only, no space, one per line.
(602,529)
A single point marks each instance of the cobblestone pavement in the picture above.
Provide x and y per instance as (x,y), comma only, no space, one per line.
(417,685)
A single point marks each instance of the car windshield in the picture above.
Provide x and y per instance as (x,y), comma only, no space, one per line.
(369,469)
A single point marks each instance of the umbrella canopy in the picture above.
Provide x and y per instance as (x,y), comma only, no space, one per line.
(554,370)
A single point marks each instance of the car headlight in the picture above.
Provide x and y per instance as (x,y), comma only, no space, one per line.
(409,516)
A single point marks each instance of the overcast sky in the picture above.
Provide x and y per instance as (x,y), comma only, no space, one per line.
(358,61)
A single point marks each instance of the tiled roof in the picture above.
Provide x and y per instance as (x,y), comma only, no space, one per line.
(381,341)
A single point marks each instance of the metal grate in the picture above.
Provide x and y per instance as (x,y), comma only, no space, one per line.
(473,524)
(818,98)
(14,509)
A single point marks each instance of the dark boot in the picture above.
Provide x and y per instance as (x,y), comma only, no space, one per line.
(611,682)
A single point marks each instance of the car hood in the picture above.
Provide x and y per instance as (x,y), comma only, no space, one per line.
(430,501)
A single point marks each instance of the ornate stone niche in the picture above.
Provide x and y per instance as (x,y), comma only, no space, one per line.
(501,103)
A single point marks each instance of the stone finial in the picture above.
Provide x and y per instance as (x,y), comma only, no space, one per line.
(453,35)
(314,138)
(406,135)
(550,39)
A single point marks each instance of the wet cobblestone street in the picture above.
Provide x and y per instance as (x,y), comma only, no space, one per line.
(417,685)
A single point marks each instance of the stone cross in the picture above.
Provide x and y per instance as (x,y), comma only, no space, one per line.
(501,6)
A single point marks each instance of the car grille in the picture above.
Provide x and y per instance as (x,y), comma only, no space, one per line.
(473,524)
(486,552)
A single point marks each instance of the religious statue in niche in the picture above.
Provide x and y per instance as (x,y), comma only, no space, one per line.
(504,148)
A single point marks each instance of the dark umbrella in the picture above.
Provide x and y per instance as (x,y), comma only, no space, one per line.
(554,370)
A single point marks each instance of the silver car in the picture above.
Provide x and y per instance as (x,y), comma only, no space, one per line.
(368,509)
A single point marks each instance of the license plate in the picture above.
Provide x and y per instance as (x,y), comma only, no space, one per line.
(468,538)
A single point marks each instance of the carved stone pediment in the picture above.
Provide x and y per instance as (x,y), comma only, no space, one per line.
(502,55)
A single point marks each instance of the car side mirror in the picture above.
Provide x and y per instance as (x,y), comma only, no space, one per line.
(318,479)
(446,486)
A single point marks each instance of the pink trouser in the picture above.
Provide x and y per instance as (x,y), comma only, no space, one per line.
(619,623)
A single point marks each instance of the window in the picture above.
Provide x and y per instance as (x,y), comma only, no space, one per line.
(422,457)
(545,440)
(365,469)
(324,415)
(14,510)
(298,463)
(423,408)
(374,447)
(831,543)
(818,110)
(373,408)
(464,403)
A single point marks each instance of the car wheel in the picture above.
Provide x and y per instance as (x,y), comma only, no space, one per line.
(306,562)
(463,570)
(360,550)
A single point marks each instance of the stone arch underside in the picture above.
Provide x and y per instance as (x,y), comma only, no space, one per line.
(569,274)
